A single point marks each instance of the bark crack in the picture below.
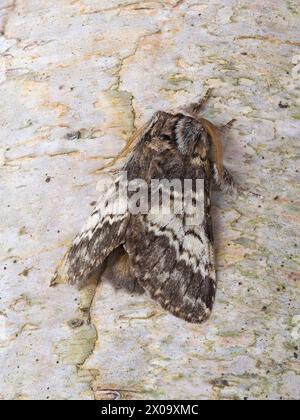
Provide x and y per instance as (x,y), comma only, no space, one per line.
(117,87)
(10,9)
(268,39)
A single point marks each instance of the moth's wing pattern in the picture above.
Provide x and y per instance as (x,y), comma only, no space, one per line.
(174,263)
(103,232)
(105,229)
(171,259)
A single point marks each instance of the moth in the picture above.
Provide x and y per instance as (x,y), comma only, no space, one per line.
(163,255)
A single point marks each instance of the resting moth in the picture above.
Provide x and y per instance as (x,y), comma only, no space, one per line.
(161,254)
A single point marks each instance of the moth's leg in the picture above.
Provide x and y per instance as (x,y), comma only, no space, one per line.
(120,274)
(196,107)
(226,184)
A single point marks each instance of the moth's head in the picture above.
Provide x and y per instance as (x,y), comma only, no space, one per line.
(178,130)
(194,138)
(198,139)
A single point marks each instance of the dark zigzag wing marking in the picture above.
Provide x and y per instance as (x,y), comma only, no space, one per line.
(173,282)
(175,239)
(87,257)
(103,232)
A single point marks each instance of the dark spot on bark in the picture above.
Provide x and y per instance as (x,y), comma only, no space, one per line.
(75,323)
(24,273)
(220,383)
(48,179)
(283,105)
(93,203)
(276,197)
(73,135)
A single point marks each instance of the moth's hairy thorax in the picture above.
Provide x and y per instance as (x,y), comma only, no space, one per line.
(176,147)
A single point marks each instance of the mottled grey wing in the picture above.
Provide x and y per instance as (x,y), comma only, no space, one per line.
(174,263)
(103,232)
